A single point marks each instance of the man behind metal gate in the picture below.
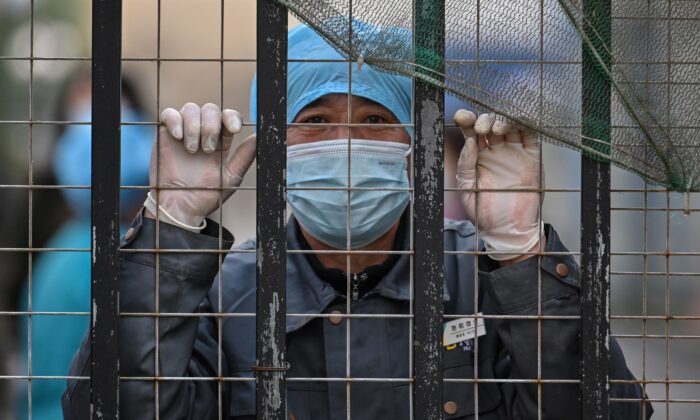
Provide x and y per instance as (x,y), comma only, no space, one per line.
(195,153)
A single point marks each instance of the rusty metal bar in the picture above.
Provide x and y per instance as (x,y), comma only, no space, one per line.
(271,224)
(595,222)
(106,158)
(428,212)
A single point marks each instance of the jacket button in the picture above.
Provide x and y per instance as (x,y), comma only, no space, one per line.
(562,270)
(129,234)
(450,407)
(335,318)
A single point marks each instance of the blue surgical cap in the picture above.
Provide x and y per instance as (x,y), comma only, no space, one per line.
(71,161)
(309,81)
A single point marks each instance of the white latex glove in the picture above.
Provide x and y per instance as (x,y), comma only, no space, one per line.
(194,147)
(502,157)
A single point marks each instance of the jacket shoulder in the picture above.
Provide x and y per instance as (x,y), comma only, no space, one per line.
(238,274)
(462,228)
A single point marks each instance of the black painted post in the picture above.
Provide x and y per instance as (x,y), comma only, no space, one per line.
(271,229)
(106,156)
(595,221)
(428,212)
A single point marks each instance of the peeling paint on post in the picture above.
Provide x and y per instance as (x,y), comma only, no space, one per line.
(271,223)
(428,220)
(106,156)
(595,225)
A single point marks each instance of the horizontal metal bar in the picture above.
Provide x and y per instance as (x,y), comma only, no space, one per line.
(290,251)
(659,253)
(325,315)
(654,273)
(655,18)
(655,381)
(389,125)
(347,380)
(373,252)
(447,189)
(340,315)
(658,83)
(656,336)
(659,400)
(42,377)
(398,316)
(533,253)
(41,58)
(252,314)
(656,317)
(336,251)
(42,313)
(174,188)
(655,209)
(318,125)
(359,379)
(533,62)
(127,187)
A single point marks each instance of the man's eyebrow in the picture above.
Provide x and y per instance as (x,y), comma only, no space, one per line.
(322,101)
(368,103)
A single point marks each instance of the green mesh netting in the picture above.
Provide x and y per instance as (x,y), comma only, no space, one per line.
(523,60)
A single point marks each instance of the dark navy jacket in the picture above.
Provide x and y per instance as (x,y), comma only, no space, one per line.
(379,347)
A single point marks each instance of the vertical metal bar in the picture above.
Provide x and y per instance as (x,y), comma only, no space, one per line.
(271,228)
(106,158)
(476,222)
(669,8)
(348,227)
(428,211)
(30,216)
(595,219)
(220,288)
(156,303)
(539,216)
(645,257)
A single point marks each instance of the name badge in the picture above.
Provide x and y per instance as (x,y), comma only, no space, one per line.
(462,329)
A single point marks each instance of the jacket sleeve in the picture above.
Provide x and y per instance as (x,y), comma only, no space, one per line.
(187,345)
(514,291)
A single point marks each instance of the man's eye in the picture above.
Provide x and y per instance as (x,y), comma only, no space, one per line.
(375,119)
(315,120)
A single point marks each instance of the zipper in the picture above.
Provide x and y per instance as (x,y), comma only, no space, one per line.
(355,280)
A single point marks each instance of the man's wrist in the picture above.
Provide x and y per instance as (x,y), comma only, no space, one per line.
(147,213)
(191,223)
(535,250)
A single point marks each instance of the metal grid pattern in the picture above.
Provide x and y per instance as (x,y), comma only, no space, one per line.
(600,270)
(665,323)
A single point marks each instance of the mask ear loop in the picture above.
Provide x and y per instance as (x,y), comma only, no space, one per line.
(410,180)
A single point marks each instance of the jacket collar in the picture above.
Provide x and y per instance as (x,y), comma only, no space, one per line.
(308,294)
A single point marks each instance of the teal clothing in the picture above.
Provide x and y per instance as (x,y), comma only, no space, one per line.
(60,283)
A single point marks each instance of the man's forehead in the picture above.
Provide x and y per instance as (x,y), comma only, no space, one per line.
(340,100)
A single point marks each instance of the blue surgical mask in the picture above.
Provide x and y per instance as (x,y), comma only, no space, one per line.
(324,213)
(73,155)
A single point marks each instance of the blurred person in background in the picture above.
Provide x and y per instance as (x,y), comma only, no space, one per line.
(61,280)
(29,217)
